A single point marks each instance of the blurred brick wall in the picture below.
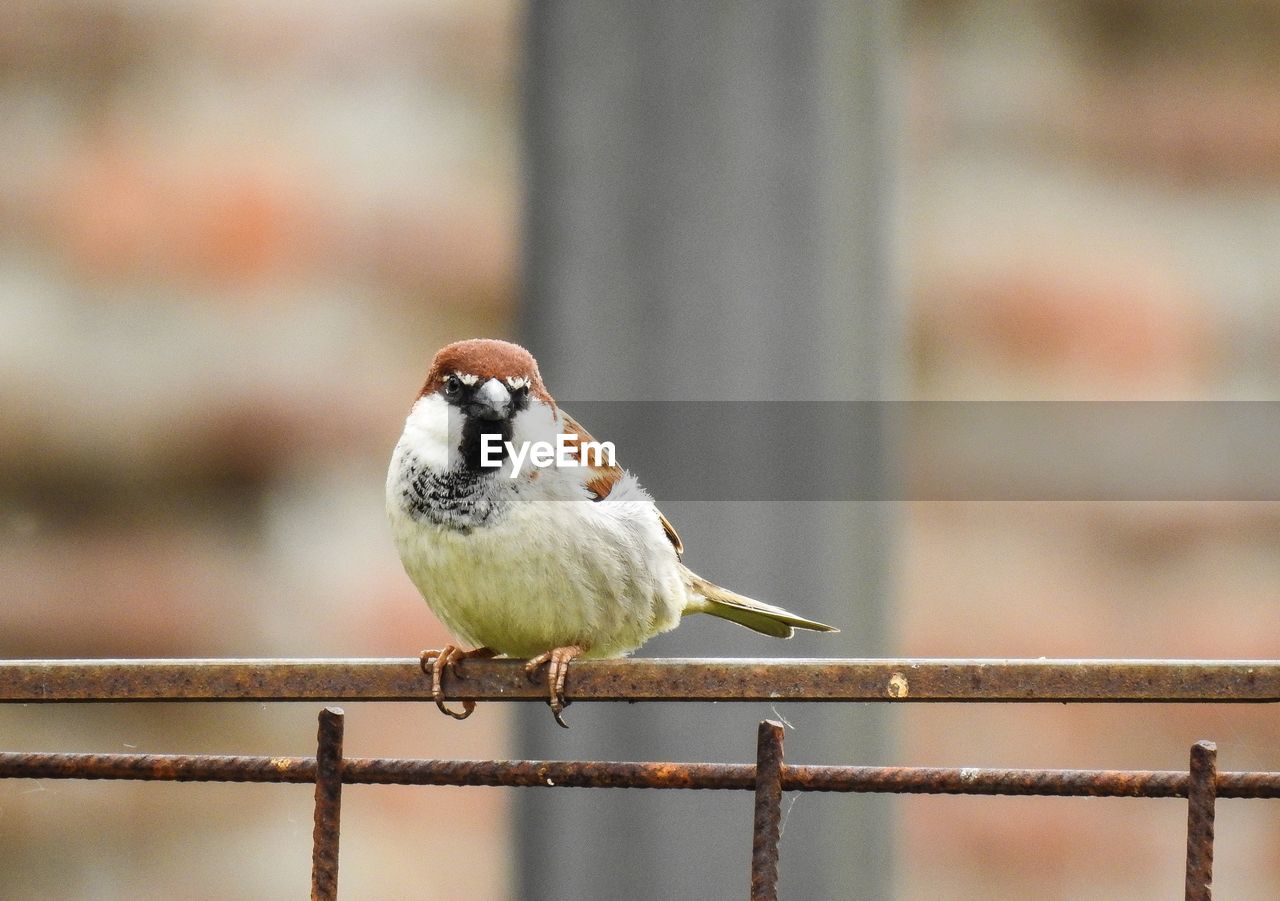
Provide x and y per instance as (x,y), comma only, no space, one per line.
(231,235)
(1093,213)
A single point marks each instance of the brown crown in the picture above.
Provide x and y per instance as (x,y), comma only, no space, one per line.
(485,358)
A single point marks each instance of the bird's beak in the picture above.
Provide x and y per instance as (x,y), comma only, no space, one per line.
(492,401)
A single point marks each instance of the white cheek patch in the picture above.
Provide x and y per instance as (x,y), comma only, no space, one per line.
(431,433)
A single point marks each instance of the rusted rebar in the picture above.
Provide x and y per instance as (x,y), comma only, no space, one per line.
(622,774)
(768,778)
(1134,681)
(1201,794)
(27,681)
(552,773)
(157,767)
(328,812)
(768,812)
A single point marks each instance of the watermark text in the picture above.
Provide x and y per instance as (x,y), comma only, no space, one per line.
(568,451)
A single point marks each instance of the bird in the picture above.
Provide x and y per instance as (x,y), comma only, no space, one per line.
(527,554)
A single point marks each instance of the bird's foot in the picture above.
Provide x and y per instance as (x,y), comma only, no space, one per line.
(433,663)
(559,659)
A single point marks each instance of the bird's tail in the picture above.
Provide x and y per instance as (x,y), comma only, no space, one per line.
(707,597)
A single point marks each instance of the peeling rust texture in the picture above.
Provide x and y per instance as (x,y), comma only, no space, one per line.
(27,681)
(768,812)
(1201,795)
(328,812)
(157,767)
(552,773)
(610,774)
(1061,783)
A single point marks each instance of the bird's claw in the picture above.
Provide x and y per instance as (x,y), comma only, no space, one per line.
(557,672)
(434,663)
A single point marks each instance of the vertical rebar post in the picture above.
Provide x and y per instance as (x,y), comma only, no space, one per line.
(764,845)
(1202,792)
(324,851)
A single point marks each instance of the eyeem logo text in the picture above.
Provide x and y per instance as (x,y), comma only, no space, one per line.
(568,451)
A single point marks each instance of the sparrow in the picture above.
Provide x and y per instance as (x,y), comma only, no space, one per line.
(526,539)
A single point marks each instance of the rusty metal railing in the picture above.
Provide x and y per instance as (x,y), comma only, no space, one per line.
(896,681)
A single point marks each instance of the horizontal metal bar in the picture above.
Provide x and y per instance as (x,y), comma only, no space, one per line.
(605,774)
(1255,681)
(157,767)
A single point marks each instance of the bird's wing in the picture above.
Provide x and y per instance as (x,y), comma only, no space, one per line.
(602,479)
(671,534)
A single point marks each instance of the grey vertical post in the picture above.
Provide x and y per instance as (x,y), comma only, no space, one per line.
(709,216)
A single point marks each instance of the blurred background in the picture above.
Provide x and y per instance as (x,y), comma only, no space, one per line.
(234,234)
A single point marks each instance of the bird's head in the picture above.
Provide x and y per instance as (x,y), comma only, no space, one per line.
(486,379)
(483,385)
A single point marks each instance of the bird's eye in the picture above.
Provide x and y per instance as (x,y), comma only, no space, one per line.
(452,385)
